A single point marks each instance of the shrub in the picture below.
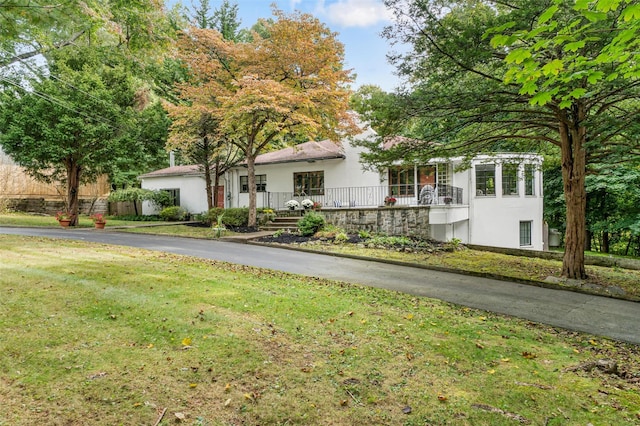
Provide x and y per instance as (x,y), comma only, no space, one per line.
(173,213)
(236,216)
(341,237)
(311,223)
(210,217)
(364,234)
(159,198)
(329,231)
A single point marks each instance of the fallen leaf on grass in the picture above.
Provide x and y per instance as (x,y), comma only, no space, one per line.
(186,341)
(180,416)
(529,355)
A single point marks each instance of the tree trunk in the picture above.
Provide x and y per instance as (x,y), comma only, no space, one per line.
(572,138)
(251,172)
(209,187)
(73,185)
(216,185)
(605,242)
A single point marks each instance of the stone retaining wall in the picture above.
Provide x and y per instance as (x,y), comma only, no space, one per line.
(412,221)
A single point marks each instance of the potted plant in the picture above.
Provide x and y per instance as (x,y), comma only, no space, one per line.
(307,204)
(316,206)
(64,219)
(292,204)
(389,200)
(98,220)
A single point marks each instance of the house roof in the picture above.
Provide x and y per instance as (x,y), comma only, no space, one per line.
(308,151)
(189,170)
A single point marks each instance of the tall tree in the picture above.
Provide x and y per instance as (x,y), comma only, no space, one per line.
(465,96)
(195,127)
(194,131)
(225,20)
(76,123)
(291,82)
(201,15)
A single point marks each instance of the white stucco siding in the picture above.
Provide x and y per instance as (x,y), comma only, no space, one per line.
(193,195)
(495,220)
(338,173)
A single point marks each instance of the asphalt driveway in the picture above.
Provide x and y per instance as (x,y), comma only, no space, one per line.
(602,316)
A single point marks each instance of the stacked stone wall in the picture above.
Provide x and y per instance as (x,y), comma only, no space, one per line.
(412,221)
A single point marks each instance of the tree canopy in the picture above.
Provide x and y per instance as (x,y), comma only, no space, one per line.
(267,89)
(35,27)
(82,120)
(468,92)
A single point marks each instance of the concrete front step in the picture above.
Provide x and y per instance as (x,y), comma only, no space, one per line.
(287,223)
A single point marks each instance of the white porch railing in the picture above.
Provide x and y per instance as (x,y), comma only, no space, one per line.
(367,196)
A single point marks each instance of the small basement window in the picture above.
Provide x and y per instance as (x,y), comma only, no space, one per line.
(525,233)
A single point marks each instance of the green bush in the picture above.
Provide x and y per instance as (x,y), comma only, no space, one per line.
(158,198)
(173,213)
(211,216)
(161,199)
(311,223)
(341,237)
(230,217)
(236,217)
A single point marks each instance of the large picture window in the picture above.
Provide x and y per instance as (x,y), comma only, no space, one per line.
(308,183)
(261,183)
(529,179)
(510,179)
(485,179)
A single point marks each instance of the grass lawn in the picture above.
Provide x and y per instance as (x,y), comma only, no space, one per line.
(26,219)
(181,231)
(101,335)
(525,268)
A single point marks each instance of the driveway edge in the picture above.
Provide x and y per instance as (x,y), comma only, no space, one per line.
(524,281)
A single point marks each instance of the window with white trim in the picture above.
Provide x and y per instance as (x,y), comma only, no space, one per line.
(525,233)
(261,183)
(510,179)
(308,183)
(529,179)
(485,179)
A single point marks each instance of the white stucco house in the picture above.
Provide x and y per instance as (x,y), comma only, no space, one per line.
(497,201)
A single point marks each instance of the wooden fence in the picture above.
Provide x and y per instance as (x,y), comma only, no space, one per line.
(16,183)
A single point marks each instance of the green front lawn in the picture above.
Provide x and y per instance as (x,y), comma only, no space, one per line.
(26,219)
(96,335)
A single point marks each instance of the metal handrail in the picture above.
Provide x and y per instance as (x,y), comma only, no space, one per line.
(370,196)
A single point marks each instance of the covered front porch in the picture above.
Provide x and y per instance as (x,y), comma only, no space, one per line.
(367,196)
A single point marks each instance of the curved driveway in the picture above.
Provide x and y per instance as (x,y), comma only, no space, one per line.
(602,316)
